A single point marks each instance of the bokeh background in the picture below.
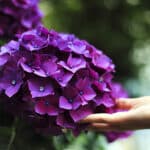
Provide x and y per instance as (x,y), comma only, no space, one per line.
(121,28)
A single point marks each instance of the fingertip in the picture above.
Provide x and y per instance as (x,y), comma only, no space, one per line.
(99,126)
(84,120)
(123,103)
(121,99)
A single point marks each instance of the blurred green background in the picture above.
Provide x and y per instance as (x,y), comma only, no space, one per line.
(122,30)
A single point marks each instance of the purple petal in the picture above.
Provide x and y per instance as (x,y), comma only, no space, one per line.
(62,78)
(52,110)
(73,64)
(81,113)
(10,48)
(70,92)
(63,103)
(76,103)
(107,101)
(89,94)
(40,88)
(40,108)
(97,100)
(39,72)
(3,59)
(100,60)
(26,68)
(107,77)
(94,74)
(50,67)
(11,90)
(82,83)
(78,47)
(65,121)
(101,86)
(32,41)
(118,91)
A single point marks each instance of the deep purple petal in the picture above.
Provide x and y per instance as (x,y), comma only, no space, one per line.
(65,121)
(82,83)
(40,108)
(76,103)
(52,110)
(81,113)
(101,86)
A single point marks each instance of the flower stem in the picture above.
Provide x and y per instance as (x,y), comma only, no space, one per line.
(13,134)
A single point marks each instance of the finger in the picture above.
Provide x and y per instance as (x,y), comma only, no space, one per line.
(132,102)
(117,128)
(99,127)
(119,117)
(99,118)
(124,104)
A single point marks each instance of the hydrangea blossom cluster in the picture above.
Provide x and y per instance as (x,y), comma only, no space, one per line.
(18,16)
(53,80)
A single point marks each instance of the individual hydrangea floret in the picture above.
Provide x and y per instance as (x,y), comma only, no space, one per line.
(54,80)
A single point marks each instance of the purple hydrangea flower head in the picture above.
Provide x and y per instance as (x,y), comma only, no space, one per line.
(18,16)
(55,79)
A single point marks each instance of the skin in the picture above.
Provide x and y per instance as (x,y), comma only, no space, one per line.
(136,116)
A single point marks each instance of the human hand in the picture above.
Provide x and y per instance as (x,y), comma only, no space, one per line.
(136,117)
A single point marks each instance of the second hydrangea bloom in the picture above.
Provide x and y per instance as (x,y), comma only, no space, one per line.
(18,16)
